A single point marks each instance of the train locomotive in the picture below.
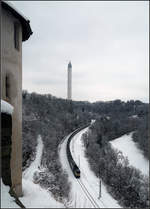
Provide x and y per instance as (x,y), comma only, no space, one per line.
(74,168)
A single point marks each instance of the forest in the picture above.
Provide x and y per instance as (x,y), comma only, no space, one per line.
(54,118)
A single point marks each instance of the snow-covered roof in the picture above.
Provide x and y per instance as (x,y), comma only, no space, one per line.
(26,29)
(6,107)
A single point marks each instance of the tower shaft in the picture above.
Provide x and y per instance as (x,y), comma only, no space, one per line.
(69,87)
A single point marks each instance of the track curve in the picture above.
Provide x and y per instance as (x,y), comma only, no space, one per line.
(70,158)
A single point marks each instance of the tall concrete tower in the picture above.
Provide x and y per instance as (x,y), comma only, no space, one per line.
(69,87)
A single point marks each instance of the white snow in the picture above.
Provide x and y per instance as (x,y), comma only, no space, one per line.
(134,116)
(78,198)
(33,195)
(13,7)
(130,150)
(6,107)
(36,197)
(93,121)
(29,172)
(6,200)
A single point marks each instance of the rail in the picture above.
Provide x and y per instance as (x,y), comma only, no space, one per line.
(88,195)
(70,158)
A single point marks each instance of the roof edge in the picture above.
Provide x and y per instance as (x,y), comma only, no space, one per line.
(26,29)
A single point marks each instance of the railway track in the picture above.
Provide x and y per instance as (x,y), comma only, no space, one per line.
(88,195)
(83,187)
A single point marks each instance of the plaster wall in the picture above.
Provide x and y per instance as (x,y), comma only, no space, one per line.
(11,66)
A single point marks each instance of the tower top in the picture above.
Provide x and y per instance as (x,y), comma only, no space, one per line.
(70,65)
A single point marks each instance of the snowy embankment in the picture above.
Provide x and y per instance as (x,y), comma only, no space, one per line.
(78,195)
(33,195)
(29,172)
(6,200)
(130,150)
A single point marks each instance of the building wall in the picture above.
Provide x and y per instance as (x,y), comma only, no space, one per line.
(11,65)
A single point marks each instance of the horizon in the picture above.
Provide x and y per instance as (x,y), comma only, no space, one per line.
(57,97)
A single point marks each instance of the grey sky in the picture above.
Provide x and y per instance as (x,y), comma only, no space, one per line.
(107,43)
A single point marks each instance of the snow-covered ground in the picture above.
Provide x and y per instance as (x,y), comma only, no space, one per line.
(33,195)
(29,172)
(36,197)
(6,200)
(87,182)
(130,150)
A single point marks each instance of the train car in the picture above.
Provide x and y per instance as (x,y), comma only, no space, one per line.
(74,167)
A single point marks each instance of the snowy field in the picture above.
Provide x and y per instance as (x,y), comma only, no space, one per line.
(130,150)
(79,197)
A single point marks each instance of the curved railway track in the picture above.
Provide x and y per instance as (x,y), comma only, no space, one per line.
(83,187)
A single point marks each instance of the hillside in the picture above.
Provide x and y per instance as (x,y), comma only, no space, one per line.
(54,118)
(120,169)
(130,149)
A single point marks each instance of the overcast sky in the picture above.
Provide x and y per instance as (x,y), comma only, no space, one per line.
(106,41)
